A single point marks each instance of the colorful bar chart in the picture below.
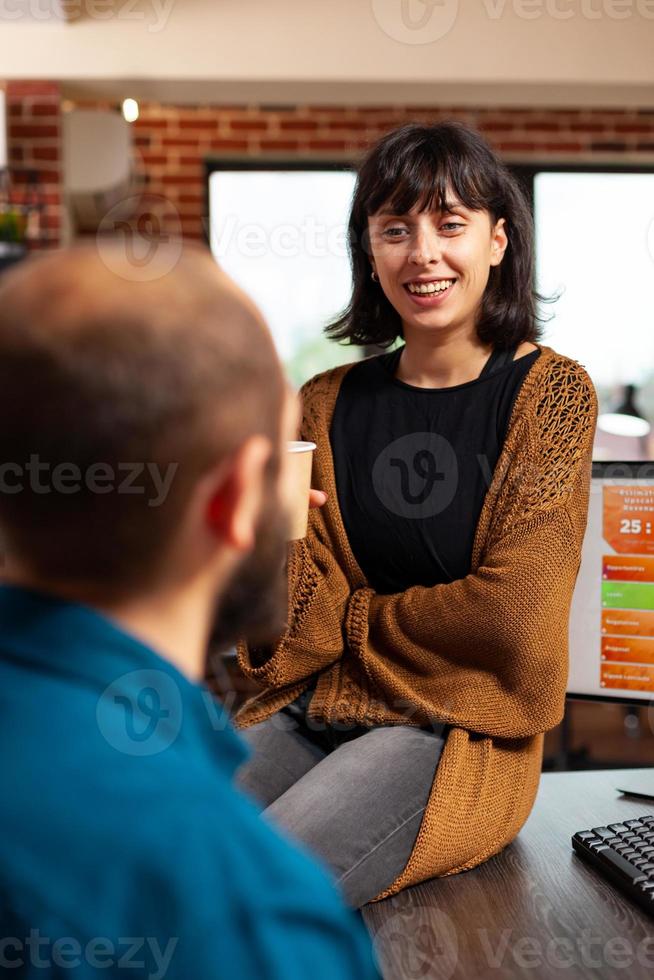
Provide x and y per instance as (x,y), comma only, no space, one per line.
(627,589)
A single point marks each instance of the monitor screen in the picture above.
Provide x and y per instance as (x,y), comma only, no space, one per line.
(281,233)
(612,615)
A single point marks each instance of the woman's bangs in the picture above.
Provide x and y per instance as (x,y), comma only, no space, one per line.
(424,181)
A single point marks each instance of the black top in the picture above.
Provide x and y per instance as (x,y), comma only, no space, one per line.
(413,465)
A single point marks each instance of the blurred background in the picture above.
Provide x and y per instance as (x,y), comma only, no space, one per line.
(240,125)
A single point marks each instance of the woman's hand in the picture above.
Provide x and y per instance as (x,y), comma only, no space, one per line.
(317,498)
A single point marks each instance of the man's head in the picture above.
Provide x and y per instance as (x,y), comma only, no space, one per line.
(142,427)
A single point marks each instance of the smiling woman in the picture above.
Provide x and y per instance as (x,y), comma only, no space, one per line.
(435,204)
(426,648)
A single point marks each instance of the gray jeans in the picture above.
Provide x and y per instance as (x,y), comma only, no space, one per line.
(353,796)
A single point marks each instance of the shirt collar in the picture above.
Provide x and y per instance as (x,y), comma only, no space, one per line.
(48,634)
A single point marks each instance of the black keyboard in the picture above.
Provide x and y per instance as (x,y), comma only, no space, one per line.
(624,854)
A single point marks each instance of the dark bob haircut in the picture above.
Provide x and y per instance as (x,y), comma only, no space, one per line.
(415,167)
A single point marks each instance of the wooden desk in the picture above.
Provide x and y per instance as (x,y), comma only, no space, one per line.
(533,912)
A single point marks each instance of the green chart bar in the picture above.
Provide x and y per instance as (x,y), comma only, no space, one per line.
(628,595)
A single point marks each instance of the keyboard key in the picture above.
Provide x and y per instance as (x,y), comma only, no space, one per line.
(633,823)
(603,832)
(618,828)
(585,836)
(624,870)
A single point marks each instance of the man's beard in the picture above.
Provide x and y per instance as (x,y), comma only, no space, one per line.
(254,604)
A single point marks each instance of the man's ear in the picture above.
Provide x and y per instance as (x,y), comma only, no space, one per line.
(236,498)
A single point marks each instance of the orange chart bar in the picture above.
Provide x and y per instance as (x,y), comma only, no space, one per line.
(631,650)
(627,568)
(628,622)
(629,677)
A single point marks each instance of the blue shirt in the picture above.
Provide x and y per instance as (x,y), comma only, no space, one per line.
(123,842)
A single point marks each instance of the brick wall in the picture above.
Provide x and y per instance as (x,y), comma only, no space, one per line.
(171,142)
(34,150)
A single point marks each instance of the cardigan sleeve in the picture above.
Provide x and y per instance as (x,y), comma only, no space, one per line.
(489,652)
(318,594)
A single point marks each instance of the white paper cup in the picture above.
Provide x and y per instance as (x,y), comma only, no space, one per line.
(300,461)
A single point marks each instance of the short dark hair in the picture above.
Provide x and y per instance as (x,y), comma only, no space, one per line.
(97,367)
(414,166)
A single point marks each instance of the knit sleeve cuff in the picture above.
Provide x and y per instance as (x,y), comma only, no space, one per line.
(356,621)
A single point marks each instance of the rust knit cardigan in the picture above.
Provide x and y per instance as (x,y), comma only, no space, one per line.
(487,654)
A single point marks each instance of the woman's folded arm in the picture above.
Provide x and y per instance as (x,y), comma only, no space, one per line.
(487,652)
(318,594)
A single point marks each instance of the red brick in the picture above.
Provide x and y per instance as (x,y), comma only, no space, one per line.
(191,198)
(14,109)
(633,128)
(42,176)
(227,144)
(44,152)
(45,109)
(298,125)
(190,161)
(349,124)
(173,141)
(279,144)
(645,147)
(154,159)
(145,123)
(587,127)
(33,131)
(516,147)
(142,141)
(541,127)
(21,88)
(609,146)
(249,125)
(496,127)
(563,147)
(16,154)
(209,124)
(181,180)
(327,145)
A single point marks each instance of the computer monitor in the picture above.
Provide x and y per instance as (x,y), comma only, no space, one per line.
(612,615)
